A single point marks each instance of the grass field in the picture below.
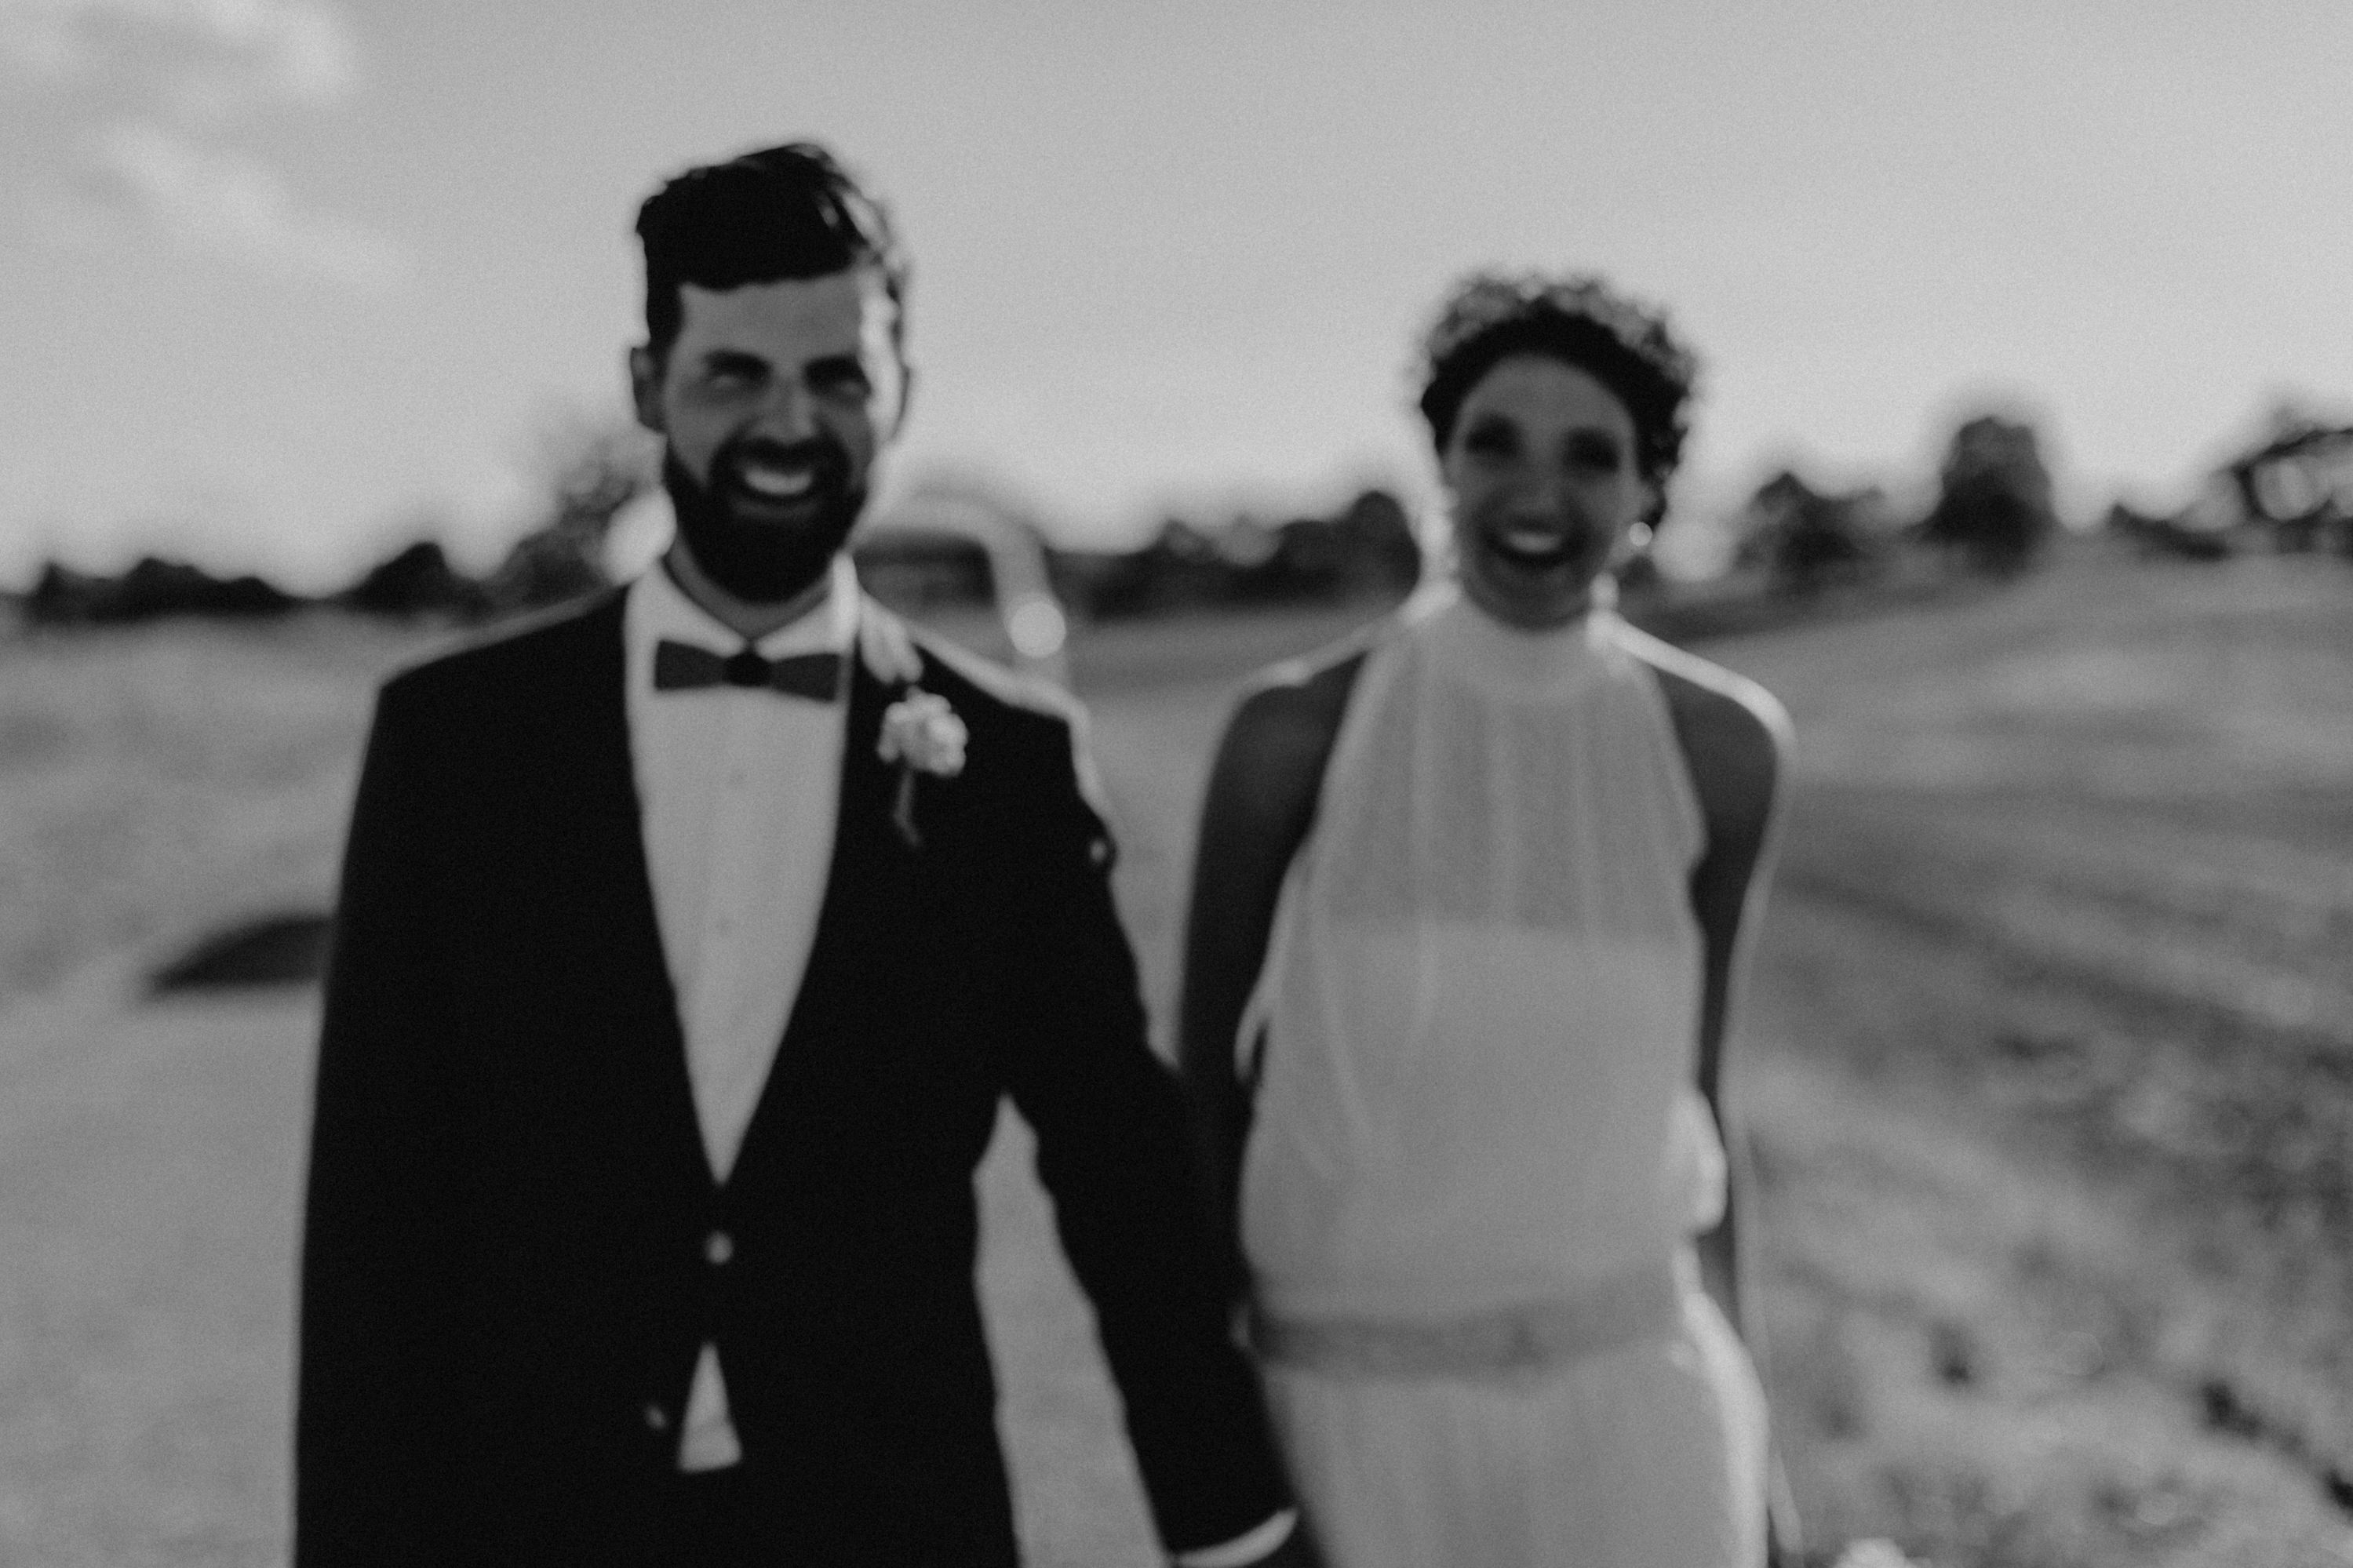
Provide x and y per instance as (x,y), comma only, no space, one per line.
(2062,924)
(2047,1067)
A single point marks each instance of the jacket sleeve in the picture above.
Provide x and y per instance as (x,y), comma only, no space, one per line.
(1114,1154)
(370,1447)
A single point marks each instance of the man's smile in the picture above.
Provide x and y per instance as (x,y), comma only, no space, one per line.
(775,480)
(784,479)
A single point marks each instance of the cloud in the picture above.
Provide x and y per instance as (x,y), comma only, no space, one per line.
(228,205)
(210,58)
(148,93)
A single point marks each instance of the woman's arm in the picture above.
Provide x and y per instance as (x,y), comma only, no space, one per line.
(1734,738)
(1259,803)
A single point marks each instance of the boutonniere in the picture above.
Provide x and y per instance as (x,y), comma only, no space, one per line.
(923,734)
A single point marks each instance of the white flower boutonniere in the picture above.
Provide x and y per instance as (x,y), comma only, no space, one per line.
(923,734)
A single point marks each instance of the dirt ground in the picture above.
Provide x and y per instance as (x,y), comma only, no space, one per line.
(2047,1071)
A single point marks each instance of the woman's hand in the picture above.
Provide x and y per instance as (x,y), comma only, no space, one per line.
(1296,1553)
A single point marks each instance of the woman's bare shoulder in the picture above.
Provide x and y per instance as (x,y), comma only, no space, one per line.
(1283,727)
(1735,734)
(1300,698)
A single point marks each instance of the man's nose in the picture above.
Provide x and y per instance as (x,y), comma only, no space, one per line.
(788,413)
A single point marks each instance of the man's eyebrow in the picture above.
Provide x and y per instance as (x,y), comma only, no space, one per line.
(834,367)
(733,359)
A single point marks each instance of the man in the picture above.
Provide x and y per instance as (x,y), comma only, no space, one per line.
(688,942)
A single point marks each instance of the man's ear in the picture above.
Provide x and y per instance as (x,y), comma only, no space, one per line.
(906,397)
(645,386)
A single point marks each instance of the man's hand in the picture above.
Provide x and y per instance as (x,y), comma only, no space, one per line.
(1784,1542)
(1295,1551)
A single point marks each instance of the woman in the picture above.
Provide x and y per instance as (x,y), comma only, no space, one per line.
(1466,917)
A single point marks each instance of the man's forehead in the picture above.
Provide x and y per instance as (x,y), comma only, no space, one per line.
(834,313)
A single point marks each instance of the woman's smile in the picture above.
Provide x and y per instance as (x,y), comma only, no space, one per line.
(1538,547)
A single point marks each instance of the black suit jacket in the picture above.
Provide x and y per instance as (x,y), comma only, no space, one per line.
(507,1266)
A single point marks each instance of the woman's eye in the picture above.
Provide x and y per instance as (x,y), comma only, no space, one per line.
(1491,441)
(1597,454)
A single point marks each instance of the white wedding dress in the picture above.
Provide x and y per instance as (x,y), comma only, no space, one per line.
(1478,1155)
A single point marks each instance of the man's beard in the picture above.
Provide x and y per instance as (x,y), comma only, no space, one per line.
(758,561)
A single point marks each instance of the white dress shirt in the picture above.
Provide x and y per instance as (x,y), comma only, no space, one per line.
(738,790)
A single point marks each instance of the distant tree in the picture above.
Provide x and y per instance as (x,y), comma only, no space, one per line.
(2296,482)
(1993,503)
(1365,550)
(416,580)
(152,589)
(1183,566)
(1806,540)
(2152,535)
(1383,556)
(593,468)
(62,596)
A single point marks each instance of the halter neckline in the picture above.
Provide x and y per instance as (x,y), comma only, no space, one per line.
(1503,661)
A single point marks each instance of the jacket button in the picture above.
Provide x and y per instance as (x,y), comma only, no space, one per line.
(718,1247)
(1099,851)
(656,1419)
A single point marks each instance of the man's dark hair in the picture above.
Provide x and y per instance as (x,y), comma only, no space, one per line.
(1578,319)
(783,212)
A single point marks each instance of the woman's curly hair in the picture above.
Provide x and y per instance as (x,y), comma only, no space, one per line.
(1578,318)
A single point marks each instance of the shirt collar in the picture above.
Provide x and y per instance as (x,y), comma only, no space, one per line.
(661,608)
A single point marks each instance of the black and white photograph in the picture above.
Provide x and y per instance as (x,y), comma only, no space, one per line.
(1279,786)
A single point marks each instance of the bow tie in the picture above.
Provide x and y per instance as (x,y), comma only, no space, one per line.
(683,666)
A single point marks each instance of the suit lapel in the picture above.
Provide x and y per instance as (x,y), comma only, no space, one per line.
(646,1044)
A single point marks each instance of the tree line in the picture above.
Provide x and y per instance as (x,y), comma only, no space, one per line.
(1993,514)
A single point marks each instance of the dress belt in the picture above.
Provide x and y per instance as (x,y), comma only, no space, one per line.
(1504,1343)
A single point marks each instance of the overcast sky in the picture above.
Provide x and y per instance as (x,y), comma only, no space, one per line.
(279,279)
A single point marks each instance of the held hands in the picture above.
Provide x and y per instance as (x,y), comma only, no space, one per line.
(1298,1551)
(1784,1540)
(1293,1551)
